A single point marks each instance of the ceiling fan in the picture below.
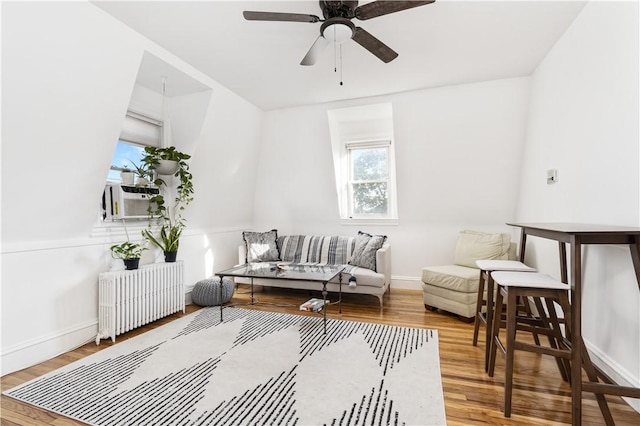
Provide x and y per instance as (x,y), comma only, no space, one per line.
(337,26)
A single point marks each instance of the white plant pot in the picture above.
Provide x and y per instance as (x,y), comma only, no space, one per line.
(167,167)
(127,178)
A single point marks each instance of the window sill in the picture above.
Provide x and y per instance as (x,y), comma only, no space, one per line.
(370,222)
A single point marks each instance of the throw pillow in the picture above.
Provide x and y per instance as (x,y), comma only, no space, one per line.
(475,245)
(261,246)
(364,253)
(361,242)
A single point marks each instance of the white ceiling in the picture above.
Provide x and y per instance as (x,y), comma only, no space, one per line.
(444,43)
(154,73)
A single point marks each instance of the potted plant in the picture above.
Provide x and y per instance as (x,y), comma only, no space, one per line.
(168,218)
(165,161)
(168,239)
(129,252)
(126,175)
(144,175)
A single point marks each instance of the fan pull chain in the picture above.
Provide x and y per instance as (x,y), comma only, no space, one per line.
(337,57)
(341,65)
(335,51)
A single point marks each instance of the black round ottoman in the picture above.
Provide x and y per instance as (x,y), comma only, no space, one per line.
(207,292)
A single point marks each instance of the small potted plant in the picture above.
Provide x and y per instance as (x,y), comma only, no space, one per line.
(127,175)
(168,240)
(129,252)
(164,161)
(143,174)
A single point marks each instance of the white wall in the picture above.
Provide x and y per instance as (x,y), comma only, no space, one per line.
(584,122)
(458,151)
(68,73)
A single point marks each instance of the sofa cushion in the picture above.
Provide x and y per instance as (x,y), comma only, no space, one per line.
(456,297)
(463,304)
(452,277)
(261,246)
(368,277)
(363,276)
(364,254)
(474,245)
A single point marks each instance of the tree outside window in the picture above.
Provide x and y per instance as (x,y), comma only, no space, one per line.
(369,180)
(363,149)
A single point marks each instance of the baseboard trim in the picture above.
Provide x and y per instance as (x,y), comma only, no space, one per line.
(614,370)
(43,348)
(407,283)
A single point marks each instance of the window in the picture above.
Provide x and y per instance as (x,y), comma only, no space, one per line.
(364,164)
(137,132)
(120,200)
(127,155)
(368,179)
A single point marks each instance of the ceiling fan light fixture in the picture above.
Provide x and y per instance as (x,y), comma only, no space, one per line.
(337,32)
(337,26)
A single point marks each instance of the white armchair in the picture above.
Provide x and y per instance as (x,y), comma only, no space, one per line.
(454,288)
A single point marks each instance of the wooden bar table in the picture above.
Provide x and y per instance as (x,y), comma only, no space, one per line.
(576,235)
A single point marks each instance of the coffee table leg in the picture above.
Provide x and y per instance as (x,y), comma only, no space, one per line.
(324,306)
(220,287)
(340,295)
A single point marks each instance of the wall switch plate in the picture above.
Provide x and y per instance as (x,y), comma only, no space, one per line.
(552,176)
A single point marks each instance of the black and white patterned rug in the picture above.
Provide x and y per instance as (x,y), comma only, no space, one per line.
(255,368)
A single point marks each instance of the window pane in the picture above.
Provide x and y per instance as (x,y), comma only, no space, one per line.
(369,163)
(126,153)
(370,198)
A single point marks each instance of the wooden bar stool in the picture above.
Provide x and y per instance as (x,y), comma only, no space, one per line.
(514,285)
(486,268)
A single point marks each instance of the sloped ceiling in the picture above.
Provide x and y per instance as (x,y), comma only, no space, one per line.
(444,43)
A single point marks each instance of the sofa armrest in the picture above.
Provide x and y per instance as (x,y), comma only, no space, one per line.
(383,262)
(242,254)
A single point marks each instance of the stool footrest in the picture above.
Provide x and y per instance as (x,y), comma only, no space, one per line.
(536,329)
(558,353)
(604,388)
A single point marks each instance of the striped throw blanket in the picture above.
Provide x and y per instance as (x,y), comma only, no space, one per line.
(316,250)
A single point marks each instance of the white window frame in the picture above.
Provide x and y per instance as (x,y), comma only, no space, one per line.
(348,217)
(350,181)
(365,125)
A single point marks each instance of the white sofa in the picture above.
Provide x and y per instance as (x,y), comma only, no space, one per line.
(319,250)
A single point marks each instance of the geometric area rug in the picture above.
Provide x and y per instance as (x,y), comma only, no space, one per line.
(254,368)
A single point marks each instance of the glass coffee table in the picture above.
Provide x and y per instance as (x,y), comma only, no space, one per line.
(320,274)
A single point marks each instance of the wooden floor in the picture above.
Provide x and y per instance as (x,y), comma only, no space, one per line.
(540,397)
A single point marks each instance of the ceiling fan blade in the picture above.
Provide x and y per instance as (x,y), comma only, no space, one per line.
(316,49)
(277,16)
(379,8)
(373,45)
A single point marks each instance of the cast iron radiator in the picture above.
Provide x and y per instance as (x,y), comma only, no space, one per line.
(130,299)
